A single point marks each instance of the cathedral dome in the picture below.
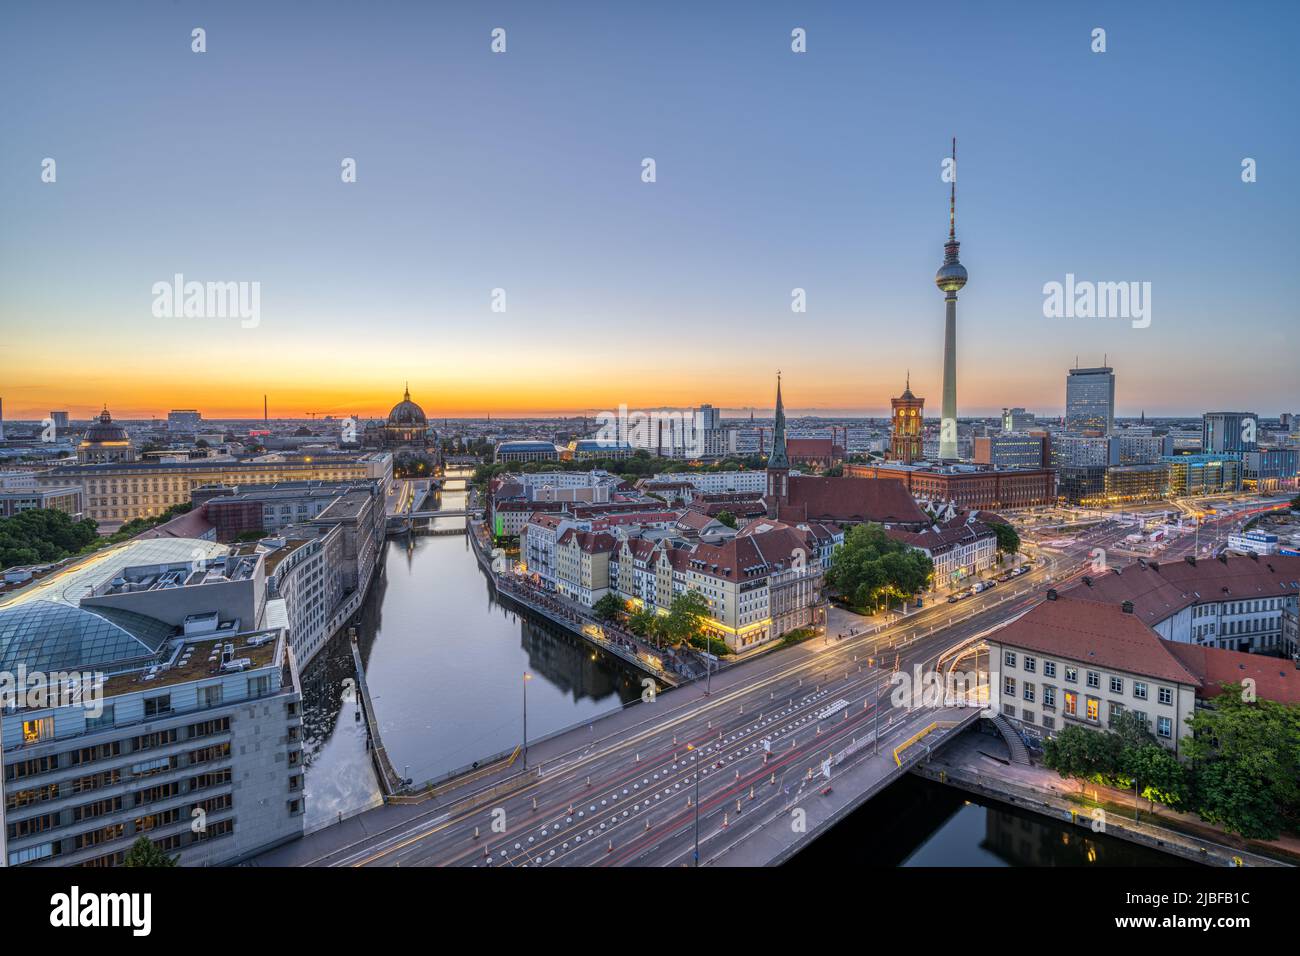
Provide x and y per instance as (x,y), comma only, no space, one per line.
(406,412)
(105,430)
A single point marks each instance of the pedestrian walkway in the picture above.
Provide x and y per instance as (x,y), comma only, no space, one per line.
(980,763)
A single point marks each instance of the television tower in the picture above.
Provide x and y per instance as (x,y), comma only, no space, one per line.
(950,278)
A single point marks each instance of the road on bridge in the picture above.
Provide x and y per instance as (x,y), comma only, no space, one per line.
(623,790)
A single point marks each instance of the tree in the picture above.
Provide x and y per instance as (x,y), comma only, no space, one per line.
(870,566)
(43,535)
(609,608)
(144,852)
(640,621)
(1008,539)
(727,518)
(1155,773)
(1245,758)
(683,620)
(1084,754)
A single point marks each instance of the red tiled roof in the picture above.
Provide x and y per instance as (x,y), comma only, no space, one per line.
(742,559)
(810,448)
(695,520)
(944,537)
(1091,632)
(1159,590)
(1275,678)
(881,500)
(592,543)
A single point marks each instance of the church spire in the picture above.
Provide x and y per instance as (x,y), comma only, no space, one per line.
(778,458)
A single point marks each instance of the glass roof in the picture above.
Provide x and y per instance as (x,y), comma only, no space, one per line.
(48,636)
(71,585)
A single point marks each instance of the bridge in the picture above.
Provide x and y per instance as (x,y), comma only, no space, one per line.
(755,763)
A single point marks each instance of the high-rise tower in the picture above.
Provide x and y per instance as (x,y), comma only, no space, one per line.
(950,279)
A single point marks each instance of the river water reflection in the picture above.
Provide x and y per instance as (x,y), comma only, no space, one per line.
(445,663)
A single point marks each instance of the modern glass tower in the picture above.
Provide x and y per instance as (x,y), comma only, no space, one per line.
(1090,400)
(950,279)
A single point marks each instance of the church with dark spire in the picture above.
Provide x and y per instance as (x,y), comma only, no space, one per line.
(843,501)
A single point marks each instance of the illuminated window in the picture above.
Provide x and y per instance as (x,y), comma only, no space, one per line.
(1071,703)
(40,729)
(1093,708)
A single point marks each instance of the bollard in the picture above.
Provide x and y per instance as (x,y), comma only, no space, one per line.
(725,821)
(476,833)
(751,793)
(772,780)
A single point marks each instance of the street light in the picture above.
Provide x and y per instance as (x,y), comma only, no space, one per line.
(527,678)
(690,748)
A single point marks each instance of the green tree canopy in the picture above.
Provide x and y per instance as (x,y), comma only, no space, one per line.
(1246,764)
(144,852)
(1083,754)
(1008,538)
(870,566)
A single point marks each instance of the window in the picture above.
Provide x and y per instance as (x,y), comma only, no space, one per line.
(1030,663)
(1028,691)
(1072,675)
(1166,696)
(1049,668)
(1009,658)
(1094,679)
(1141,717)
(1115,711)
(1049,696)
(210,696)
(1094,709)
(1071,703)
(1164,727)
(42,728)
(1140,690)
(1049,721)
(157,706)
(1117,685)
(1009,686)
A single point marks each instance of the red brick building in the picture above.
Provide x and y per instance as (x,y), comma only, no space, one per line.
(971,487)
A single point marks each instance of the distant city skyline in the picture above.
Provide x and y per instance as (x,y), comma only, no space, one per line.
(522,171)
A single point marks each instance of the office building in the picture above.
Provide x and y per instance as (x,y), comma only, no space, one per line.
(1090,400)
(1229,432)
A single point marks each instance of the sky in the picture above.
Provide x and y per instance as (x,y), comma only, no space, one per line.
(522,171)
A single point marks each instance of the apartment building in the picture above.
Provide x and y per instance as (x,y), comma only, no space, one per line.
(1076,662)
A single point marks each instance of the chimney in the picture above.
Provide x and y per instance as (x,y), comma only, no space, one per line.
(1051,594)
(1127,607)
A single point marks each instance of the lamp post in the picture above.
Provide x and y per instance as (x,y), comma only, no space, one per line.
(527,678)
(690,748)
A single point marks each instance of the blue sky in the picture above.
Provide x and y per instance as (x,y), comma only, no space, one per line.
(522,171)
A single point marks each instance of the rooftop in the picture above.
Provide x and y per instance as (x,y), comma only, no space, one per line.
(1091,632)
